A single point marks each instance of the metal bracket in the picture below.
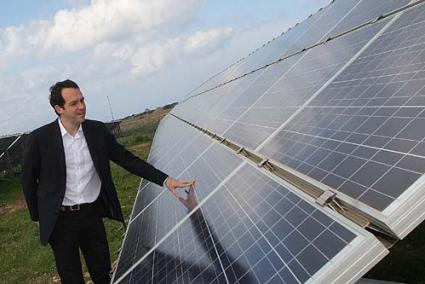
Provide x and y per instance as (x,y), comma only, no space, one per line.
(377,19)
(326,198)
(241,151)
(336,206)
(265,163)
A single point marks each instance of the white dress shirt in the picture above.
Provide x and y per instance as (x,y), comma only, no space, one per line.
(82,181)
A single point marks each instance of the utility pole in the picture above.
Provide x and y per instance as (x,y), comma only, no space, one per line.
(117,129)
(110,108)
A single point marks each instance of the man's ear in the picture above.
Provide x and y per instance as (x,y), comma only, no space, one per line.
(58,109)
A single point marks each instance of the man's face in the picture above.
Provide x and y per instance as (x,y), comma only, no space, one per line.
(74,109)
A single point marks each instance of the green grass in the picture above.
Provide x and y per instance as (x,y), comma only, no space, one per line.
(137,135)
(22,258)
(9,191)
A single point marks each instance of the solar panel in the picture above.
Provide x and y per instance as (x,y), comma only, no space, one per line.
(164,211)
(362,135)
(314,68)
(255,230)
(192,168)
(367,10)
(337,17)
(6,142)
(342,116)
(172,135)
(328,22)
(11,152)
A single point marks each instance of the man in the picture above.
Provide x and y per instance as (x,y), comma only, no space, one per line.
(68,186)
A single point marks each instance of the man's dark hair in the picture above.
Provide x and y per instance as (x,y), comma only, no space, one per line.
(56,92)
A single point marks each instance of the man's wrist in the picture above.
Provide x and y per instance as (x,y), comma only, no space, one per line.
(164,184)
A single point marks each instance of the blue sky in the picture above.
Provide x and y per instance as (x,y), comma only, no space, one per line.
(142,54)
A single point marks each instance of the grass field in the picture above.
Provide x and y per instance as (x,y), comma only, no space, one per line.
(24,260)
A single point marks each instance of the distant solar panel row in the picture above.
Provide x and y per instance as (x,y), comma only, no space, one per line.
(346,114)
(11,151)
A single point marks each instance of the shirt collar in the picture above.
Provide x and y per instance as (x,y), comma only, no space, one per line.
(64,132)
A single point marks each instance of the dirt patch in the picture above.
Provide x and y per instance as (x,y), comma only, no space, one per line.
(143,119)
(10,208)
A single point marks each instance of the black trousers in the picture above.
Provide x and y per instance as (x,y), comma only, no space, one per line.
(82,229)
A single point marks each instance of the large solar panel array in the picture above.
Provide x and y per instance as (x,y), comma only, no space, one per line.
(338,100)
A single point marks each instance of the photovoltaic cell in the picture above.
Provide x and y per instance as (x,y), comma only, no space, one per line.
(252,230)
(251,93)
(211,168)
(224,76)
(365,11)
(205,109)
(339,16)
(313,69)
(140,236)
(185,151)
(333,19)
(164,211)
(5,143)
(171,136)
(287,43)
(314,29)
(164,265)
(148,193)
(363,134)
(269,226)
(198,109)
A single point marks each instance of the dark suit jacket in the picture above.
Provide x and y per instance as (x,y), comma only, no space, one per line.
(44,172)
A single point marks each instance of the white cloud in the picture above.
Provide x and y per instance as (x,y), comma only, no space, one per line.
(153,57)
(21,41)
(206,39)
(98,43)
(101,22)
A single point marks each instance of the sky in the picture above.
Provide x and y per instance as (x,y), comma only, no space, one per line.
(138,53)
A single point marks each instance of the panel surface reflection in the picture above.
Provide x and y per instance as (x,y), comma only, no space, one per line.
(163,211)
(251,230)
(363,134)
